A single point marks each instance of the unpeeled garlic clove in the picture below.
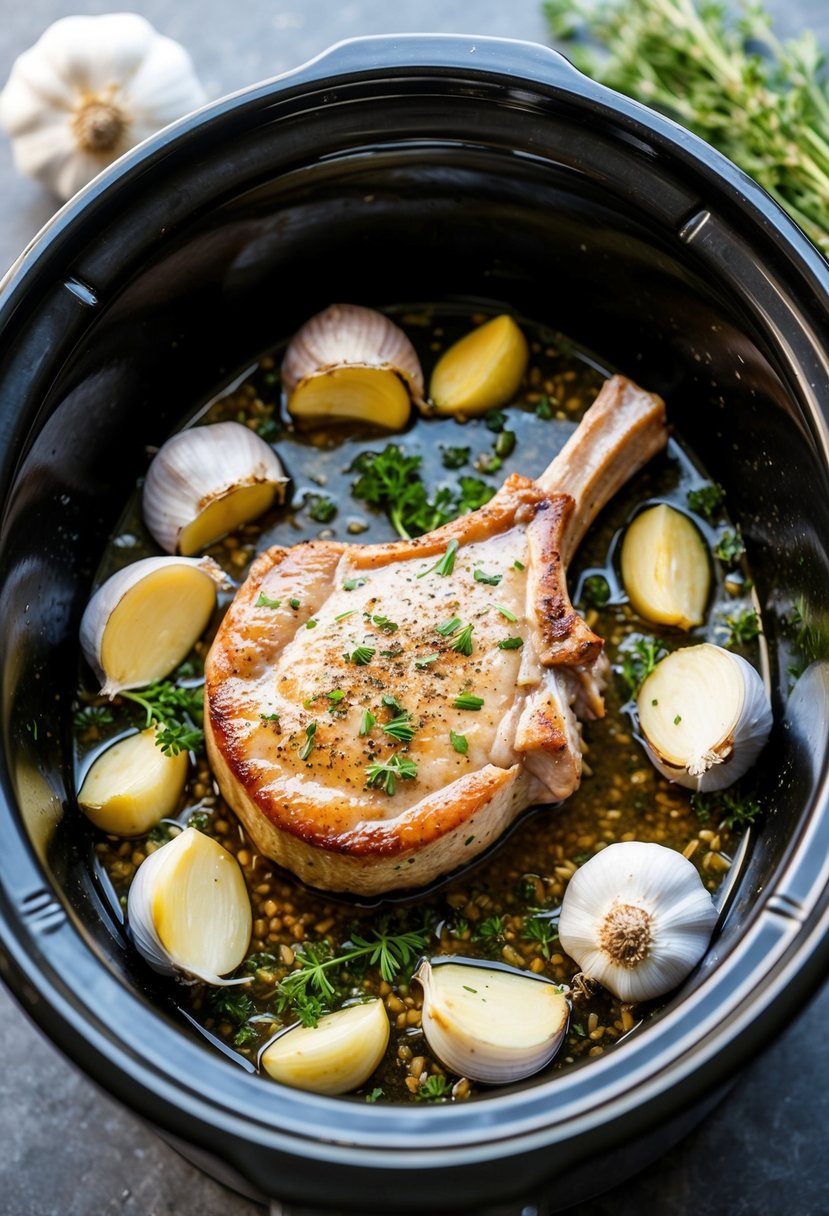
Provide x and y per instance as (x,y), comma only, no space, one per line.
(207,481)
(132,785)
(665,568)
(704,716)
(488,1023)
(637,918)
(189,910)
(352,362)
(482,370)
(145,619)
(334,1057)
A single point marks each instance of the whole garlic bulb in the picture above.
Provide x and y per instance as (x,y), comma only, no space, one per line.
(90,89)
(637,918)
(207,481)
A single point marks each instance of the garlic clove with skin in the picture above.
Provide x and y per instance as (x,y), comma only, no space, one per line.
(90,88)
(482,370)
(352,362)
(490,1023)
(337,1055)
(189,911)
(143,621)
(132,785)
(665,568)
(704,716)
(637,918)
(207,481)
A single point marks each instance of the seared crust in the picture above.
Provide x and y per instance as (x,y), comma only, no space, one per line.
(319,633)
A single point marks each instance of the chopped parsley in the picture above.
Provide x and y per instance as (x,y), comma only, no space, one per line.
(454,458)
(421,664)
(742,628)
(638,656)
(351,584)
(308,745)
(383,622)
(295,604)
(361,655)
(391,480)
(510,643)
(434,1089)
(269,717)
(385,775)
(729,548)
(542,930)
(264,601)
(595,591)
(707,500)
(463,642)
(367,722)
(544,409)
(459,742)
(400,728)
(323,509)
(446,564)
(516,565)
(92,717)
(343,615)
(311,623)
(492,580)
(467,700)
(505,444)
(447,628)
(495,420)
(506,614)
(177,714)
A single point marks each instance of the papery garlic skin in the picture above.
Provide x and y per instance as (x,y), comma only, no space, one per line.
(189,910)
(144,620)
(207,481)
(488,1023)
(336,1056)
(637,918)
(88,90)
(342,343)
(132,785)
(705,717)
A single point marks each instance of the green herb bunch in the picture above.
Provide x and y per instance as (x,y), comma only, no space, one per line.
(391,479)
(729,79)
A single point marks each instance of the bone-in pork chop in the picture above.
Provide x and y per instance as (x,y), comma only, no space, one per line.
(378,715)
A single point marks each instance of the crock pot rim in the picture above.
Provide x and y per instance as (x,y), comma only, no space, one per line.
(120,1069)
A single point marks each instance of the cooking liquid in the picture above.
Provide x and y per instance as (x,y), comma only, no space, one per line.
(505,907)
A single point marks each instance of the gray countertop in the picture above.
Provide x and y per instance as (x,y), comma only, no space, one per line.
(65,1148)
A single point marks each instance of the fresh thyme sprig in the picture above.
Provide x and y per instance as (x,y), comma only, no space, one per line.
(392,953)
(762,102)
(177,713)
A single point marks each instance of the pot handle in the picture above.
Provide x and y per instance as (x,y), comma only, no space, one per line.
(509,57)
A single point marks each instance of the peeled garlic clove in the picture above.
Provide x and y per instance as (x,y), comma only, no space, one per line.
(665,568)
(482,370)
(207,481)
(490,1024)
(337,1055)
(637,918)
(189,909)
(704,716)
(132,785)
(352,362)
(145,619)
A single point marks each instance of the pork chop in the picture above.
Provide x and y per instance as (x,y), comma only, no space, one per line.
(378,715)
